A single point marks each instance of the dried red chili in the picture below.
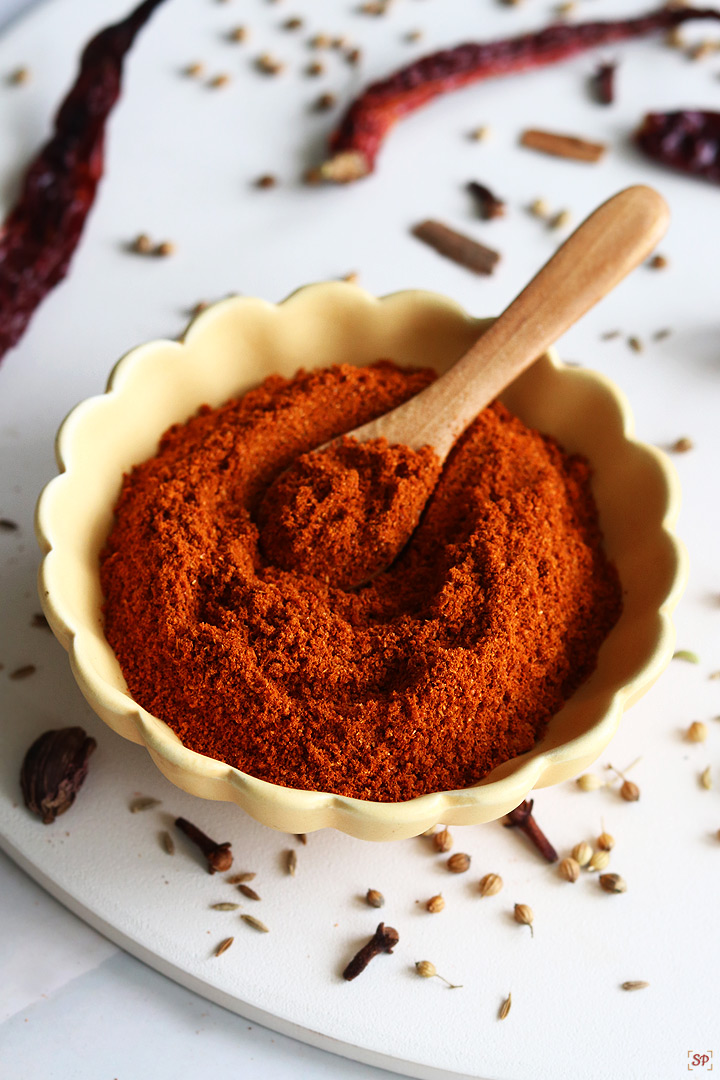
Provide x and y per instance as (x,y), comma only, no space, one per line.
(688,140)
(357,141)
(42,231)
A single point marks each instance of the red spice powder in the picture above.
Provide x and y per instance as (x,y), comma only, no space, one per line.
(444,666)
(344,512)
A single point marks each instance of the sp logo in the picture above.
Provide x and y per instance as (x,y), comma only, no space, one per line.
(700,1060)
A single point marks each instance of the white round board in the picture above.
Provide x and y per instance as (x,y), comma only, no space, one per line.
(182,159)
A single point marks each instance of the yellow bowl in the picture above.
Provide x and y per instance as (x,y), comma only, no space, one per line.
(232,346)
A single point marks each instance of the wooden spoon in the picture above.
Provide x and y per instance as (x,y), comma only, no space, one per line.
(367,535)
(599,254)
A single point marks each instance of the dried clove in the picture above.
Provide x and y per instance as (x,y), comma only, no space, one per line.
(522,818)
(384,939)
(54,770)
(603,83)
(219,856)
(489,206)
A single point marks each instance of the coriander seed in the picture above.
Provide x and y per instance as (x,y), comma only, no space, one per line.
(165,249)
(490,885)
(239,33)
(459,862)
(599,861)
(142,244)
(524,915)
(374,898)
(605,841)
(427,970)
(315,68)
(682,445)
(697,732)
(325,102)
(590,782)
(629,791)
(539,208)
(706,778)
(443,840)
(612,883)
(569,869)
(435,904)
(582,853)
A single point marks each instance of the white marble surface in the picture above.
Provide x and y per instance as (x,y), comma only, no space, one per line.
(72,1006)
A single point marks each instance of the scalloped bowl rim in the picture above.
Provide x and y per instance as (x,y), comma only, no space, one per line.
(277,805)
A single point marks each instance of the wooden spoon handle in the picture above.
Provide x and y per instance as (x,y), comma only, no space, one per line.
(599,254)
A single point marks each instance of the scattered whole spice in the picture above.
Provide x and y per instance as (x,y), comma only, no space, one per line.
(295,23)
(145,802)
(383,940)
(457,247)
(687,655)
(219,856)
(560,220)
(268,65)
(238,33)
(687,140)
(522,818)
(599,861)
(605,841)
(353,57)
(659,262)
(539,208)
(195,70)
(697,732)
(565,146)
(53,771)
(291,862)
(39,622)
(443,840)
(490,885)
(603,83)
(635,344)
(20,76)
(164,249)
(219,81)
(505,1007)
(582,853)
(612,883)
(362,131)
(6,525)
(142,244)
(458,863)
(167,842)
(315,68)
(590,782)
(634,984)
(267,180)
(225,906)
(629,791)
(320,41)
(23,672)
(706,779)
(246,890)
(489,206)
(325,102)
(224,946)
(682,445)
(374,898)
(301,837)
(324,692)
(524,915)
(435,904)
(427,970)
(240,879)
(480,134)
(255,923)
(569,869)
(39,236)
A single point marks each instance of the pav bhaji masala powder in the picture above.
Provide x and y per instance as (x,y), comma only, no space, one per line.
(237,627)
